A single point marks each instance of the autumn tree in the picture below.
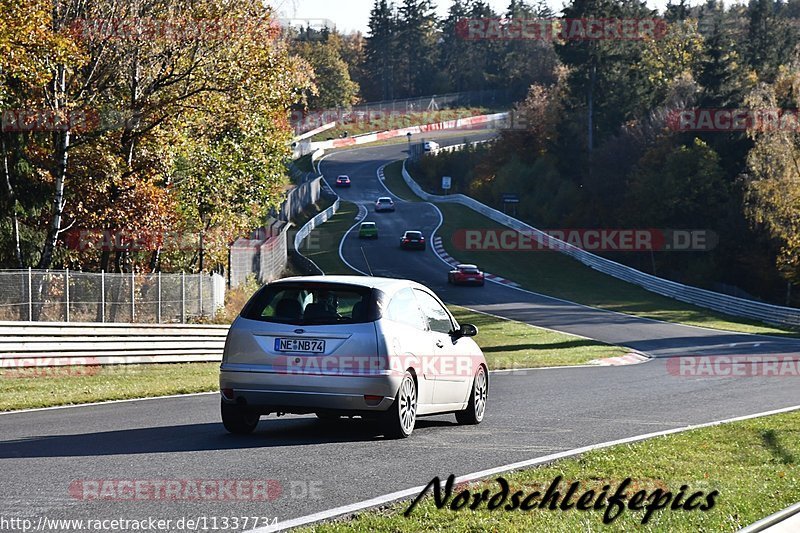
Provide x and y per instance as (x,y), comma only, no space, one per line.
(772,176)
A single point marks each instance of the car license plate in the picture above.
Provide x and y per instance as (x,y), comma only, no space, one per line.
(300,345)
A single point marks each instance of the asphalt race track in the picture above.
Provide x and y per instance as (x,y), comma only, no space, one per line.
(320,466)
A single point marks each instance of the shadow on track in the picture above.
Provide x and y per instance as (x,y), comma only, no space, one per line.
(270,433)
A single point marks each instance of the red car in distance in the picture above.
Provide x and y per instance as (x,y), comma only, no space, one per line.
(343,181)
(466,275)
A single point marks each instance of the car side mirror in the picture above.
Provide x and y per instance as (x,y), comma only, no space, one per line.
(466,330)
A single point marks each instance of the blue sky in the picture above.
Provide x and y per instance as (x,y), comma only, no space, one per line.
(349,15)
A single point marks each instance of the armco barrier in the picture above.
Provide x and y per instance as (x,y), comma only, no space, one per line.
(303,232)
(40,344)
(730,305)
(426,128)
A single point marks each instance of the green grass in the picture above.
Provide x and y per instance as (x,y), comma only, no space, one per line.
(512,344)
(506,344)
(46,387)
(393,178)
(322,246)
(558,275)
(752,464)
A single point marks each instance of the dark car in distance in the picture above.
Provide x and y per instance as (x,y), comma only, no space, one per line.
(412,240)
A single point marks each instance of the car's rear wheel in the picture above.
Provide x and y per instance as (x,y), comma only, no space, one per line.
(401,417)
(476,408)
(238,420)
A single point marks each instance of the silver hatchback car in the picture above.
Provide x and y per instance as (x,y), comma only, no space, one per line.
(350,346)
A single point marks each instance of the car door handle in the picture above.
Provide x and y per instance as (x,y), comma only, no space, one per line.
(439,344)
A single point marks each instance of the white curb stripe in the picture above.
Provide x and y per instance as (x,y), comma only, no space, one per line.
(382,500)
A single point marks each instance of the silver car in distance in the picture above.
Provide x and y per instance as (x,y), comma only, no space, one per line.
(336,346)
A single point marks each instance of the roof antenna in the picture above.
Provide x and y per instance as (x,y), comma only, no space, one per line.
(365,260)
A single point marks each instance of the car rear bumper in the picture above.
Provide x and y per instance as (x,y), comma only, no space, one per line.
(468,281)
(303,393)
(413,246)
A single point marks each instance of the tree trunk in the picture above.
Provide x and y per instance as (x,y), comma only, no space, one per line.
(61,142)
(12,200)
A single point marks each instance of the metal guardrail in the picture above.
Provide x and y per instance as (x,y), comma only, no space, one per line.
(775,520)
(320,218)
(730,305)
(50,344)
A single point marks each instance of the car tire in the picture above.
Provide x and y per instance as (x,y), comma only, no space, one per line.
(476,407)
(399,420)
(482,283)
(237,420)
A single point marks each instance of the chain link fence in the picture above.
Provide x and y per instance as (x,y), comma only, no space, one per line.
(69,296)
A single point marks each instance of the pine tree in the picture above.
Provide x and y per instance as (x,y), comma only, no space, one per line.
(380,52)
(418,38)
(769,39)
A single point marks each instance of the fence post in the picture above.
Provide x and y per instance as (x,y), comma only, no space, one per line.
(213,296)
(30,295)
(158,313)
(103,295)
(183,297)
(66,291)
(133,296)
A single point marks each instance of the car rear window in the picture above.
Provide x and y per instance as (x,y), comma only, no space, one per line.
(312,304)
(413,234)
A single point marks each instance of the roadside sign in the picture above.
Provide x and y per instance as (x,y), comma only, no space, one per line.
(510,199)
(447,181)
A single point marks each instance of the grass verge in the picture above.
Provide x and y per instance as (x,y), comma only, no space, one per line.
(393,178)
(752,464)
(556,274)
(322,245)
(24,388)
(506,344)
(511,344)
